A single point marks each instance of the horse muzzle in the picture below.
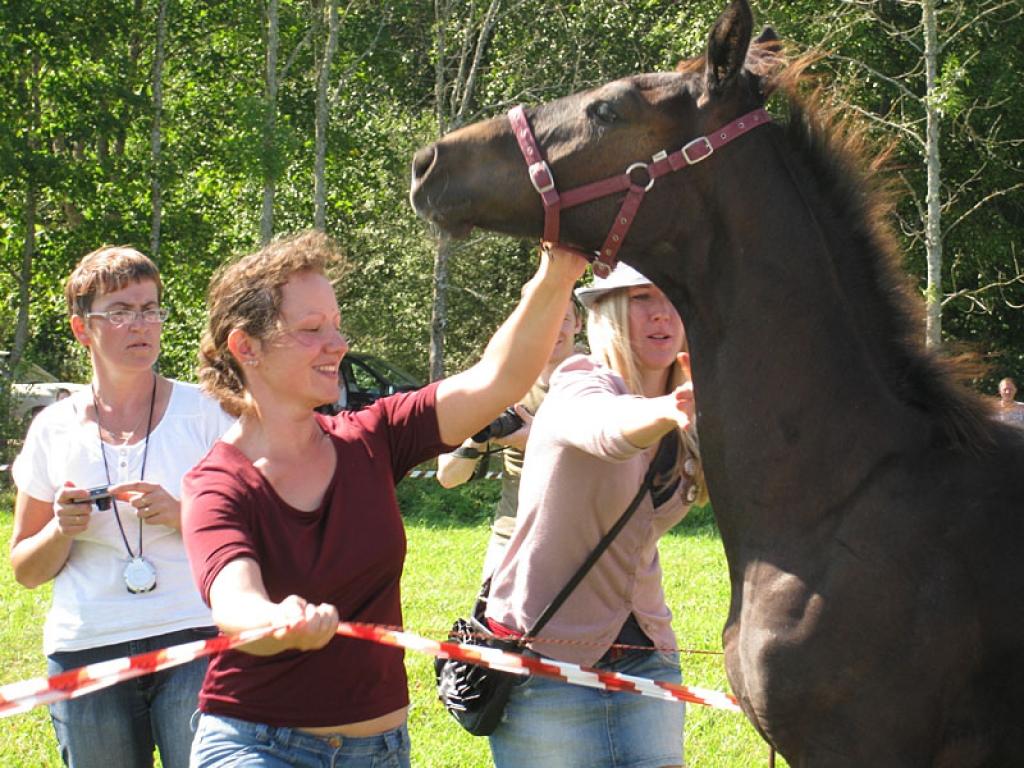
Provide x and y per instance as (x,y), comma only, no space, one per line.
(436,197)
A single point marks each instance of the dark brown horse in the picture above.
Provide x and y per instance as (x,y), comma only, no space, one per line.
(871,512)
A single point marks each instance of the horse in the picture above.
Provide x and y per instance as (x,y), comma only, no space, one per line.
(871,511)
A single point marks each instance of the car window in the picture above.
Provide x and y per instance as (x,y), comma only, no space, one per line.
(362,378)
(389,372)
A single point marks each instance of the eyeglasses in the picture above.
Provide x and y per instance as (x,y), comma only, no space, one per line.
(119,317)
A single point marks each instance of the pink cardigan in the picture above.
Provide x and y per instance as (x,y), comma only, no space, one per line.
(579,476)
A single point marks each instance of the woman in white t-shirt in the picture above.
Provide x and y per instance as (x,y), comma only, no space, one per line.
(122,584)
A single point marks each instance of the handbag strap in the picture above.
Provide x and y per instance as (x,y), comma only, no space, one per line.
(664,446)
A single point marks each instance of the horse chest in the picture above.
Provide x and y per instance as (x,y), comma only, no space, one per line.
(774,616)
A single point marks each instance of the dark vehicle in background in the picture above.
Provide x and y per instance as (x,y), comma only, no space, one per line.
(366,378)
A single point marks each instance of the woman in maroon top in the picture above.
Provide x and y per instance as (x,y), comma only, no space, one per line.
(291,519)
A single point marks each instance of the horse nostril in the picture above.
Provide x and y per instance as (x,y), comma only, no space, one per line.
(422,162)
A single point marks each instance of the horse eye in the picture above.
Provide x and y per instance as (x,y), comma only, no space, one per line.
(603,112)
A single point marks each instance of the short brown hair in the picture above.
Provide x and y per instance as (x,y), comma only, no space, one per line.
(246,294)
(108,268)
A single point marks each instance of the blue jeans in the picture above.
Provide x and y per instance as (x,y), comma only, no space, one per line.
(224,742)
(120,725)
(557,725)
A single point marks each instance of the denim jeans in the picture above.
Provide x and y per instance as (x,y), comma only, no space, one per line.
(120,725)
(557,725)
(225,742)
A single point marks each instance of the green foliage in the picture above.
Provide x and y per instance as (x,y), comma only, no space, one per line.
(26,739)
(86,152)
(423,503)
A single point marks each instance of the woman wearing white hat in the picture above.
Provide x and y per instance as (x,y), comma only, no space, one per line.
(591,444)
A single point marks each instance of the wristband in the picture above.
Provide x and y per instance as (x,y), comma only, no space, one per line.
(467,452)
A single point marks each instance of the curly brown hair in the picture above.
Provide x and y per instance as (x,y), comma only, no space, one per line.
(246,294)
(108,268)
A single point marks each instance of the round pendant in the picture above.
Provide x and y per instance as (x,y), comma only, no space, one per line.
(139,575)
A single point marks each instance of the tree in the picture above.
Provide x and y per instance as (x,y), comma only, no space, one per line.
(270,124)
(155,134)
(322,117)
(461,39)
(327,97)
(119,127)
(939,79)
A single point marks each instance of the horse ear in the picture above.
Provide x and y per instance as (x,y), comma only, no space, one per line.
(765,58)
(768,36)
(727,46)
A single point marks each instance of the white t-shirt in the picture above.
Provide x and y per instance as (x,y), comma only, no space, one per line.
(1010,414)
(91,606)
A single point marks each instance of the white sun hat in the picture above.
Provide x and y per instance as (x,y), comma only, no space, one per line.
(623,276)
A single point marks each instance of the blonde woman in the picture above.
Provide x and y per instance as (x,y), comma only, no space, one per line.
(591,444)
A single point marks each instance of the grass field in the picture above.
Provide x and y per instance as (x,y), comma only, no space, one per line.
(447,533)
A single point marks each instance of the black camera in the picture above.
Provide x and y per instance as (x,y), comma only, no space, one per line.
(99,496)
(507,423)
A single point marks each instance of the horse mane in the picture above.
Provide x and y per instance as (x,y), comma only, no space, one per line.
(848,168)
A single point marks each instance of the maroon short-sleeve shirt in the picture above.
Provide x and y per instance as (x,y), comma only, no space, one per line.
(349,553)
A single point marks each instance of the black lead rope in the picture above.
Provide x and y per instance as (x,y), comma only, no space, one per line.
(142,474)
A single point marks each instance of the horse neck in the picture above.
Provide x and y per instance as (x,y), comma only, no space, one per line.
(795,410)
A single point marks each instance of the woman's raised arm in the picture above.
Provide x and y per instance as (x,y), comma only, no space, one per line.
(515,355)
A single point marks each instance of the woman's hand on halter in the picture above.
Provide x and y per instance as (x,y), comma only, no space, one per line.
(309,627)
(153,503)
(567,263)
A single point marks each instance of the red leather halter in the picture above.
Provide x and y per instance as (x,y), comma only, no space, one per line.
(661,163)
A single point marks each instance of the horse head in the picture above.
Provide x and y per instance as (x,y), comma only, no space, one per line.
(477,176)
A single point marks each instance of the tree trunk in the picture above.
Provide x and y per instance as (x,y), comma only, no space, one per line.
(452,104)
(933,201)
(31,204)
(25,278)
(441,12)
(156,198)
(323,108)
(482,41)
(439,308)
(270,126)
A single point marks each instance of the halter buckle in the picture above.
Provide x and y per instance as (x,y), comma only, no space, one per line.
(541,177)
(703,144)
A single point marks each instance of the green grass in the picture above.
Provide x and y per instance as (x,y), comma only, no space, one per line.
(447,533)
(27,739)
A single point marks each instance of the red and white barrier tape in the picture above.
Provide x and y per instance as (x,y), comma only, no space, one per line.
(490,475)
(523,665)
(20,697)
(16,698)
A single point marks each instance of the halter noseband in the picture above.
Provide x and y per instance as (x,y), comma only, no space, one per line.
(661,163)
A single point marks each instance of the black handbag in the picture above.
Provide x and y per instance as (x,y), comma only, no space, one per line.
(476,695)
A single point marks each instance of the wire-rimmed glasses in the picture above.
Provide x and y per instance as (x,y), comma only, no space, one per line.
(119,317)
